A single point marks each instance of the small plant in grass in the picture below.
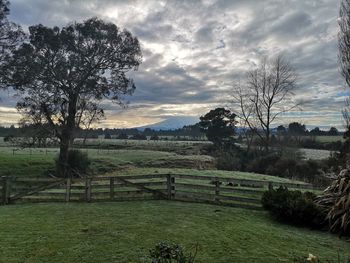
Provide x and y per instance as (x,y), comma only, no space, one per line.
(315,259)
(293,207)
(78,163)
(167,252)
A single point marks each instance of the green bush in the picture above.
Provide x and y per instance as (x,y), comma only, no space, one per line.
(166,252)
(293,207)
(78,162)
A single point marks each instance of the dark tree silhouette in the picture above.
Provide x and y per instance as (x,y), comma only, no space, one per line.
(62,75)
(281,129)
(219,126)
(296,128)
(333,131)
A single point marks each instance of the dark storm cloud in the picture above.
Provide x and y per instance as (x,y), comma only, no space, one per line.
(195,50)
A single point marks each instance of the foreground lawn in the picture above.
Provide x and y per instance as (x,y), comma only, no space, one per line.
(125,231)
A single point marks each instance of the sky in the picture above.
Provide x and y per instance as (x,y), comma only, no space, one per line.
(194,51)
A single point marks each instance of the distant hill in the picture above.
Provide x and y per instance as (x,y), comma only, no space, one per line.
(172,123)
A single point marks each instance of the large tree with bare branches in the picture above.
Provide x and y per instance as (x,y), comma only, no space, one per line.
(263,96)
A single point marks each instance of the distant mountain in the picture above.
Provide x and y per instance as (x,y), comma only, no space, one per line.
(172,123)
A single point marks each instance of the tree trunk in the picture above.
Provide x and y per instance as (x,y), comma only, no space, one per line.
(267,143)
(63,164)
(67,139)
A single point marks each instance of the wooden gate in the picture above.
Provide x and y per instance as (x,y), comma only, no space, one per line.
(204,189)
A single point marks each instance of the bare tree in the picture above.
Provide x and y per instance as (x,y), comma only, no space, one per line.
(265,94)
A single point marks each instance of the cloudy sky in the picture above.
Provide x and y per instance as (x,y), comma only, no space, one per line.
(193,52)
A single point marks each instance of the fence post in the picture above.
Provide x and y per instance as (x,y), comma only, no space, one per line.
(6,190)
(87,189)
(168,185)
(171,186)
(68,186)
(3,190)
(217,190)
(111,188)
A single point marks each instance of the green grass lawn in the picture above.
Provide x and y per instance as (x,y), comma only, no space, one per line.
(125,231)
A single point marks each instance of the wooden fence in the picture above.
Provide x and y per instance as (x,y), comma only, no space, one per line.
(204,189)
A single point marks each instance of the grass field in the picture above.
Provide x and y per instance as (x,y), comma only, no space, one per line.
(121,162)
(38,162)
(329,138)
(125,231)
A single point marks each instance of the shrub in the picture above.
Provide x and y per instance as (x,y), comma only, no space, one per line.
(293,207)
(78,162)
(336,203)
(166,252)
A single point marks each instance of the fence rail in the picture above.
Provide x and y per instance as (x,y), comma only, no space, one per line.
(205,189)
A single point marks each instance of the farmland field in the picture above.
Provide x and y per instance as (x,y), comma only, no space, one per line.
(315,154)
(120,162)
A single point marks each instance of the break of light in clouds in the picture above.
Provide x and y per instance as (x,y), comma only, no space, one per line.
(194,50)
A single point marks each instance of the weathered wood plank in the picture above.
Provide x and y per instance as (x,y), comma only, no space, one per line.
(35,180)
(36,190)
(256,183)
(133,177)
(140,186)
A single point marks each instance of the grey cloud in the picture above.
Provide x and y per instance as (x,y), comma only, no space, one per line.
(194,50)
(292,24)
